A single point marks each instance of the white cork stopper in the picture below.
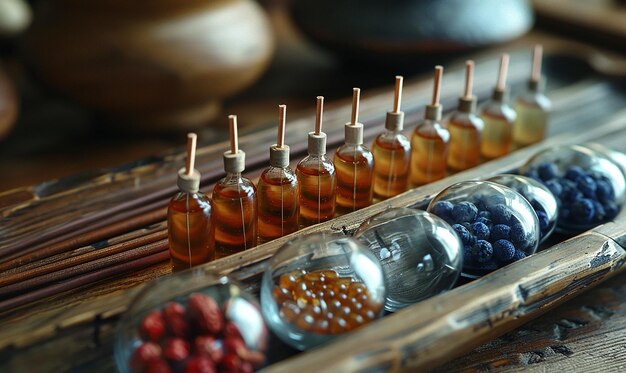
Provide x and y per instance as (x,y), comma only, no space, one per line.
(317,143)
(234,162)
(353,133)
(279,157)
(188,183)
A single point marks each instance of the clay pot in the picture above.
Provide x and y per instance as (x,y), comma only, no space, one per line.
(159,64)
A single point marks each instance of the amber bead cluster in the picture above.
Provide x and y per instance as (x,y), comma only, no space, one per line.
(323,302)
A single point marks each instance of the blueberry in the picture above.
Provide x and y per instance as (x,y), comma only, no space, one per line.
(583,211)
(570,191)
(479,202)
(482,251)
(587,186)
(443,209)
(544,221)
(565,213)
(518,235)
(518,255)
(503,250)
(574,172)
(604,191)
(547,171)
(481,230)
(532,173)
(501,214)
(554,186)
(599,209)
(610,209)
(468,256)
(464,212)
(464,234)
(485,221)
(484,214)
(500,232)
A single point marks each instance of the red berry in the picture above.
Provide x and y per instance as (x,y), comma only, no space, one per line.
(231,364)
(158,366)
(234,345)
(200,364)
(176,349)
(209,346)
(231,330)
(206,314)
(152,327)
(174,316)
(143,355)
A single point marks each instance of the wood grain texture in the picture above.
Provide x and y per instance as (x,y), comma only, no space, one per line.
(586,334)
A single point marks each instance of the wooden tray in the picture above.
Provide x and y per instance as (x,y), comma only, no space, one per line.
(74,330)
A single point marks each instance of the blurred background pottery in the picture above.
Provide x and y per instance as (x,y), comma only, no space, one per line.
(383,30)
(160,65)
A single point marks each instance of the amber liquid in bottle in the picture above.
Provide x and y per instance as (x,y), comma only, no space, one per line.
(355,170)
(392,152)
(235,215)
(316,184)
(497,139)
(532,118)
(190,230)
(465,136)
(429,152)
(278,203)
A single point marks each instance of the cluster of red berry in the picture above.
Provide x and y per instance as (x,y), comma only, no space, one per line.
(196,339)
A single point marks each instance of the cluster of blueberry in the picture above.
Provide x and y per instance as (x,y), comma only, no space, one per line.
(584,197)
(491,235)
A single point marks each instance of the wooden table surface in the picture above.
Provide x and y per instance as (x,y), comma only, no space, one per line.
(587,333)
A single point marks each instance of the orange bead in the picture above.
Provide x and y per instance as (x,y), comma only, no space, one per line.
(337,325)
(290,279)
(321,326)
(305,321)
(289,311)
(281,295)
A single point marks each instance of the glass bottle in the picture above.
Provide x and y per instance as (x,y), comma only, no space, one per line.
(429,142)
(533,107)
(392,152)
(316,178)
(278,191)
(355,166)
(189,225)
(234,205)
(465,129)
(498,116)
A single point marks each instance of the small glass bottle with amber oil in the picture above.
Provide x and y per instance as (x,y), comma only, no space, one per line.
(278,190)
(189,225)
(392,152)
(499,116)
(234,203)
(465,128)
(430,141)
(533,107)
(316,177)
(354,164)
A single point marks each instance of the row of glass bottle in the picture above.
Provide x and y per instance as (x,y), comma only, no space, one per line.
(200,230)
